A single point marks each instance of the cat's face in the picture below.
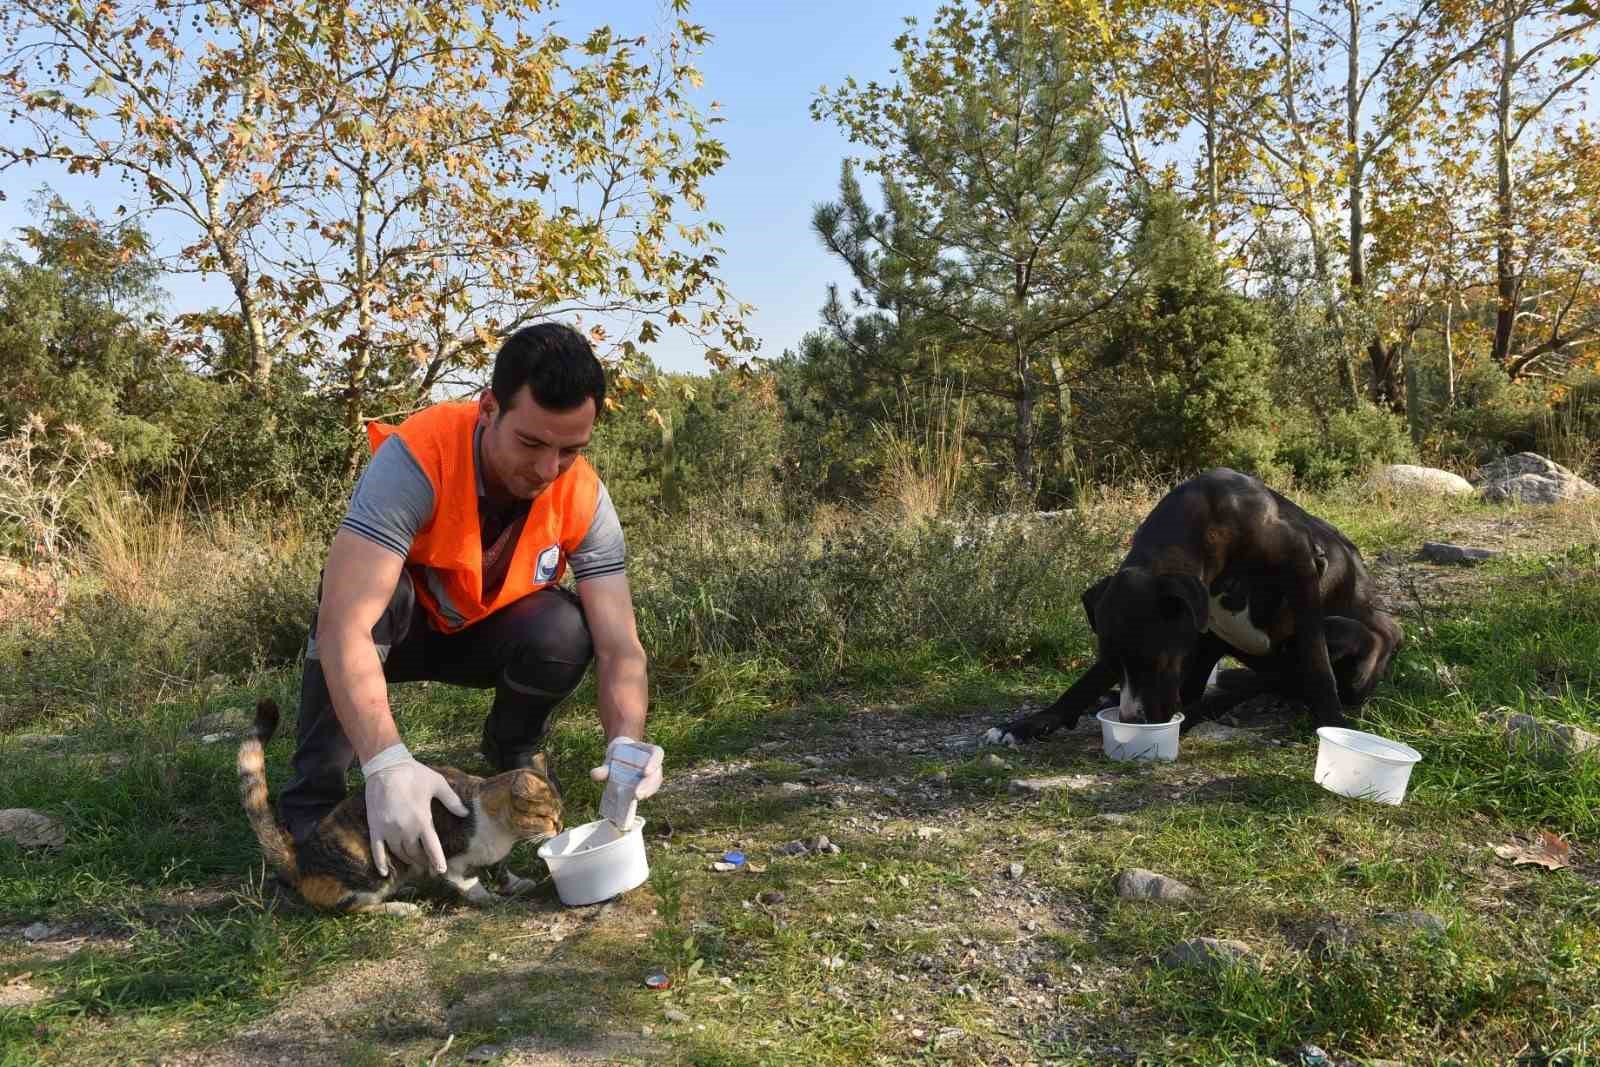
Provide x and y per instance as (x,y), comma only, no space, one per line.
(526,801)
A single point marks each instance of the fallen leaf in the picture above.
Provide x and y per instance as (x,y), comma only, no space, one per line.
(1548,851)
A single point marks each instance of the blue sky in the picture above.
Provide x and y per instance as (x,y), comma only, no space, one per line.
(764,67)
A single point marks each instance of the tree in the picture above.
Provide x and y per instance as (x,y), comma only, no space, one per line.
(1000,226)
(388,184)
(1203,353)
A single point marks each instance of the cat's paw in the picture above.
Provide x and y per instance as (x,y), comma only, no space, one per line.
(514,885)
(479,895)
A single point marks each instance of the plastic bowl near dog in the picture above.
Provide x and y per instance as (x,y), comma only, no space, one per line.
(1362,765)
(596,861)
(1126,741)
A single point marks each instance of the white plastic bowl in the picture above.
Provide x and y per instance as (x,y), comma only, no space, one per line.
(595,862)
(1362,765)
(1138,740)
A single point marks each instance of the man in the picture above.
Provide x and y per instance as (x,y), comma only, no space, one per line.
(446,568)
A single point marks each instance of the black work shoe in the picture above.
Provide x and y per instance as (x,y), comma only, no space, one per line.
(509,757)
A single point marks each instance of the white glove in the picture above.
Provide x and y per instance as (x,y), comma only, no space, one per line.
(400,795)
(650,780)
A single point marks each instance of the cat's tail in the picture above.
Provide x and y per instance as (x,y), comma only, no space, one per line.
(275,843)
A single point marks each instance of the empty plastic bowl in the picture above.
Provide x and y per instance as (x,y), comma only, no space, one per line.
(1362,765)
(1138,740)
(595,861)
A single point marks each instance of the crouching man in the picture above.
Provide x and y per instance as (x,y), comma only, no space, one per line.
(446,568)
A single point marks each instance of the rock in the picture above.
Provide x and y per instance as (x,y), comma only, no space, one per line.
(673,1015)
(1442,552)
(1207,952)
(46,741)
(1055,783)
(993,762)
(31,829)
(1547,737)
(1221,732)
(1014,872)
(36,932)
(1331,939)
(1528,478)
(823,847)
(833,963)
(1408,477)
(1138,884)
(927,833)
(772,897)
(1424,921)
(229,723)
(794,788)
(793,848)
(485,1053)
(1112,818)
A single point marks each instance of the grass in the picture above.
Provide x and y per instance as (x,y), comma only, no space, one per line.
(915,943)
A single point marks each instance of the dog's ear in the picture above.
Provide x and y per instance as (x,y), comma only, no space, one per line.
(1190,595)
(1091,597)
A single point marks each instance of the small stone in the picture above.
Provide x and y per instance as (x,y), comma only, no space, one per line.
(823,846)
(722,867)
(833,963)
(484,1053)
(36,932)
(211,739)
(793,848)
(1139,884)
(647,1030)
(772,897)
(903,880)
(495,957)
(1015,871)
(993,762)
(794,788)
(1331,939)
(1055,783)
(1032,926)
(1541,735)
(815,761)
(1442,552)
(927,833)
(1206,952)
(31,829)
(1112,818)
(1311,1056)
(1424,921)
(673,1015)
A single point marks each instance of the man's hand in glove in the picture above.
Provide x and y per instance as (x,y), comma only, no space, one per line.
(400,796)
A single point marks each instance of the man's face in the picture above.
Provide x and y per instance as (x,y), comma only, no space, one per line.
(526,447)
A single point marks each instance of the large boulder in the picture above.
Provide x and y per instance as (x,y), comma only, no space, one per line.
(1529,478)
(1406,477)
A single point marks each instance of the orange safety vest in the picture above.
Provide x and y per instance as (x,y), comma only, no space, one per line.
(446,558)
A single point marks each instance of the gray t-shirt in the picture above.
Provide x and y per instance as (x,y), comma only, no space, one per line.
(393,501)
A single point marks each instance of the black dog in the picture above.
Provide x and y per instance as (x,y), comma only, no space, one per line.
(1224,566)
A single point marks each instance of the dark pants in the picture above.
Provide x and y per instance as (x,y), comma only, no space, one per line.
(533,653)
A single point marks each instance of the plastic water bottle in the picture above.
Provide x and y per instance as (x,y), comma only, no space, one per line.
(618,803)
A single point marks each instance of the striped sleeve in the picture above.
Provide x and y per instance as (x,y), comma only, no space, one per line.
(393,500)
(602,550)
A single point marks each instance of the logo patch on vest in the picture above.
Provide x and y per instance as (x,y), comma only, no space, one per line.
(549,560)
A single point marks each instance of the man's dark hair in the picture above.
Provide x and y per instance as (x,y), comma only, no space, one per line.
(555,362)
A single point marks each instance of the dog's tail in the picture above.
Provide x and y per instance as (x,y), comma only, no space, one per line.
(276,845)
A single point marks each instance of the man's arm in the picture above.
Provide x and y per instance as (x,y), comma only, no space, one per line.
(621,675)
(357,583)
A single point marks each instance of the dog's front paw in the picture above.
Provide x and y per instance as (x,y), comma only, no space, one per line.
(1000,735)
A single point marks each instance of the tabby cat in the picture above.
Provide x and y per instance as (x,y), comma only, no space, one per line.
(332,868)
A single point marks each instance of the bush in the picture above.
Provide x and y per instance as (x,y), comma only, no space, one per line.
(1352,442)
